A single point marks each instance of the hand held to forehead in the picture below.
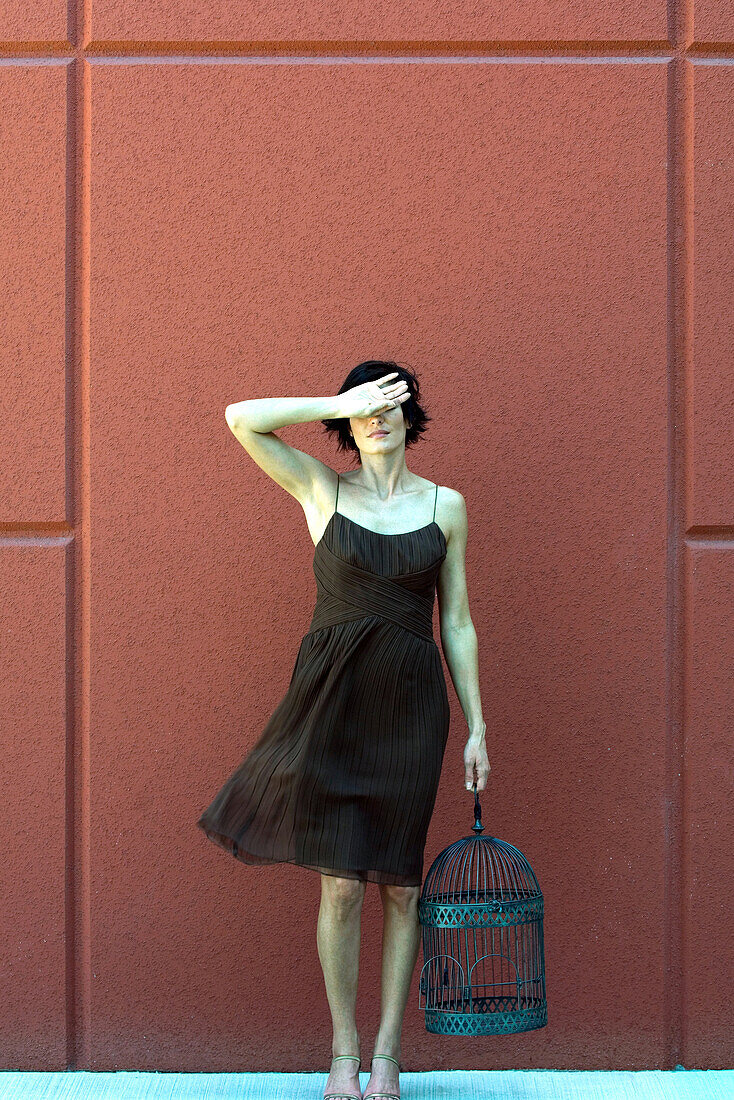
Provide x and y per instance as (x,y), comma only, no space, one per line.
(373,397)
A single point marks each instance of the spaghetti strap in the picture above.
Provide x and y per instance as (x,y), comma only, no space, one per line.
(435,501)
(337,491)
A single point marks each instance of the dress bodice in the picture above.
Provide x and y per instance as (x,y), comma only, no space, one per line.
(361,572)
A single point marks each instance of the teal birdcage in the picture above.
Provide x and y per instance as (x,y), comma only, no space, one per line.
(481,913)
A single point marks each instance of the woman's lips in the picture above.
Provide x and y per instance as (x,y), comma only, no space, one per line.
(372,434)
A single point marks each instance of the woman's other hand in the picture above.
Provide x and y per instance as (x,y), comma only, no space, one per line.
(475,758)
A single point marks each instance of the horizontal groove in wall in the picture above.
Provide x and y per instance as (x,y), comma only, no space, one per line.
(44,52)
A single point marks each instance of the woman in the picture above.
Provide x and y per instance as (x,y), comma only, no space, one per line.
(343,780)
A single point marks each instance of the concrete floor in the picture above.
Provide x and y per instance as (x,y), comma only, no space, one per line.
(450,1085)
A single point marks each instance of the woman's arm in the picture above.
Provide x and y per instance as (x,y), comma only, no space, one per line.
(253,423)
(459,641)
(265,414)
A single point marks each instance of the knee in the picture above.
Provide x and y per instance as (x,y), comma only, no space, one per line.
(402,898)
(343,895)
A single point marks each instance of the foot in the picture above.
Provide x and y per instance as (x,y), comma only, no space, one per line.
(385,1077)
(344,1076)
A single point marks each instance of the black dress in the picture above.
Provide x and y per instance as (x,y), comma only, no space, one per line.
(343,779)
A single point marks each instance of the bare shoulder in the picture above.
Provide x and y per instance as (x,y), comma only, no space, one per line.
(451,514)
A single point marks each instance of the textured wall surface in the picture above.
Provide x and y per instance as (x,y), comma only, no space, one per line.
(204,202)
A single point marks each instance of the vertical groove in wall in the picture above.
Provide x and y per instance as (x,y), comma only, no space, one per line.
(71,551)
(680,293)
(78,916)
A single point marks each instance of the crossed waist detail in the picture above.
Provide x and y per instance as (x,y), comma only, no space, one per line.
(347,592)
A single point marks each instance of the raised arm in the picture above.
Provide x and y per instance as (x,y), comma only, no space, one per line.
(253,423)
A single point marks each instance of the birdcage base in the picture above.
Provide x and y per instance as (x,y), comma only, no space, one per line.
(486,1020)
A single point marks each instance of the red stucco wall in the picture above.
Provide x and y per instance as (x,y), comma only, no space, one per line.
(203,203)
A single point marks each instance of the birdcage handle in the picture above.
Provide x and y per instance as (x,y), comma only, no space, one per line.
(477,827)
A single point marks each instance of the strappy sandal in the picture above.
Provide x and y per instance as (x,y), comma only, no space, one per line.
(387,1095)
(341,1094)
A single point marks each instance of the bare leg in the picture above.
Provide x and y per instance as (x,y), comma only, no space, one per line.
(400,945)
(338,939)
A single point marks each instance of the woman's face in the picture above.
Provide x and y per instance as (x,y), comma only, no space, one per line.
(390,424)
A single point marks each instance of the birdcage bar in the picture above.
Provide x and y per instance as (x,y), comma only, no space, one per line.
(449,948)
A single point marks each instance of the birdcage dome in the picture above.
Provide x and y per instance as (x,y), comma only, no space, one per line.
(481,914)
(480,868)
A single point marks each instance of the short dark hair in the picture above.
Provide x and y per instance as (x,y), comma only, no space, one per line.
(413,412)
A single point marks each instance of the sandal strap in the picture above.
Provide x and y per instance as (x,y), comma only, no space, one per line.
(397,1063)
(354,1057)
(389,1095)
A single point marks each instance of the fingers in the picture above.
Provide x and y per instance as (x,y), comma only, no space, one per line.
(393,390)
(480,781)
(376,393)
(388,391)
(388,398)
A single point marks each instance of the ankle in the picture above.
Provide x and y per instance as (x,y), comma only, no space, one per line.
(346,1044)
